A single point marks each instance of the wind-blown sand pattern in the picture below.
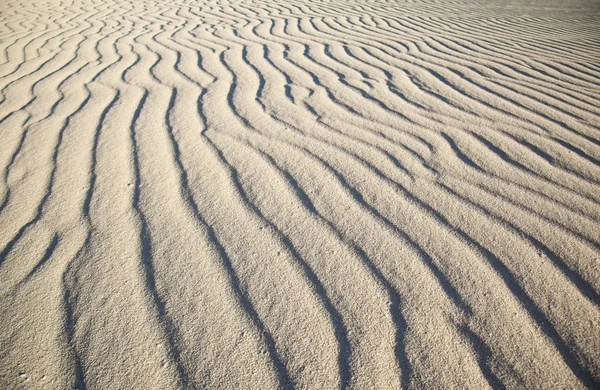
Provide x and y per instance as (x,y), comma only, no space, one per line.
(264,194)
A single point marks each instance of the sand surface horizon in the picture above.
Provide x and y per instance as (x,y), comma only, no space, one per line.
(264,194)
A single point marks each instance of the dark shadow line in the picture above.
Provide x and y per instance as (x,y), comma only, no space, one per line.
(484,355)
(69,324)
(47,254)
(339,327)
(462,156)
(584,375)
(578,151)
(147,261)
(539,176)
(285,381)
(93,176)
(49,186)
(427,260)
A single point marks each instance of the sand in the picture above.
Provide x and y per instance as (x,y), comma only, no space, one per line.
(263,194)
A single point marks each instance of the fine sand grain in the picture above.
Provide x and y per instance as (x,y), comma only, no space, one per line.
(316,194)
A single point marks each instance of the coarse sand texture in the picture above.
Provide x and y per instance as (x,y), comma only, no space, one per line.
(299,194)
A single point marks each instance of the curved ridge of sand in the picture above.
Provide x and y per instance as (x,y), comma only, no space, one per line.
(299,194)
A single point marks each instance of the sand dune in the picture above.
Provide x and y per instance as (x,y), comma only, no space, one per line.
(262,194)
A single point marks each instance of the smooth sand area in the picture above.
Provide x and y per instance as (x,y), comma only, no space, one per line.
(316,194)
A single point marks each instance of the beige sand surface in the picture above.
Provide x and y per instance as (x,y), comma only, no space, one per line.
(316,194)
